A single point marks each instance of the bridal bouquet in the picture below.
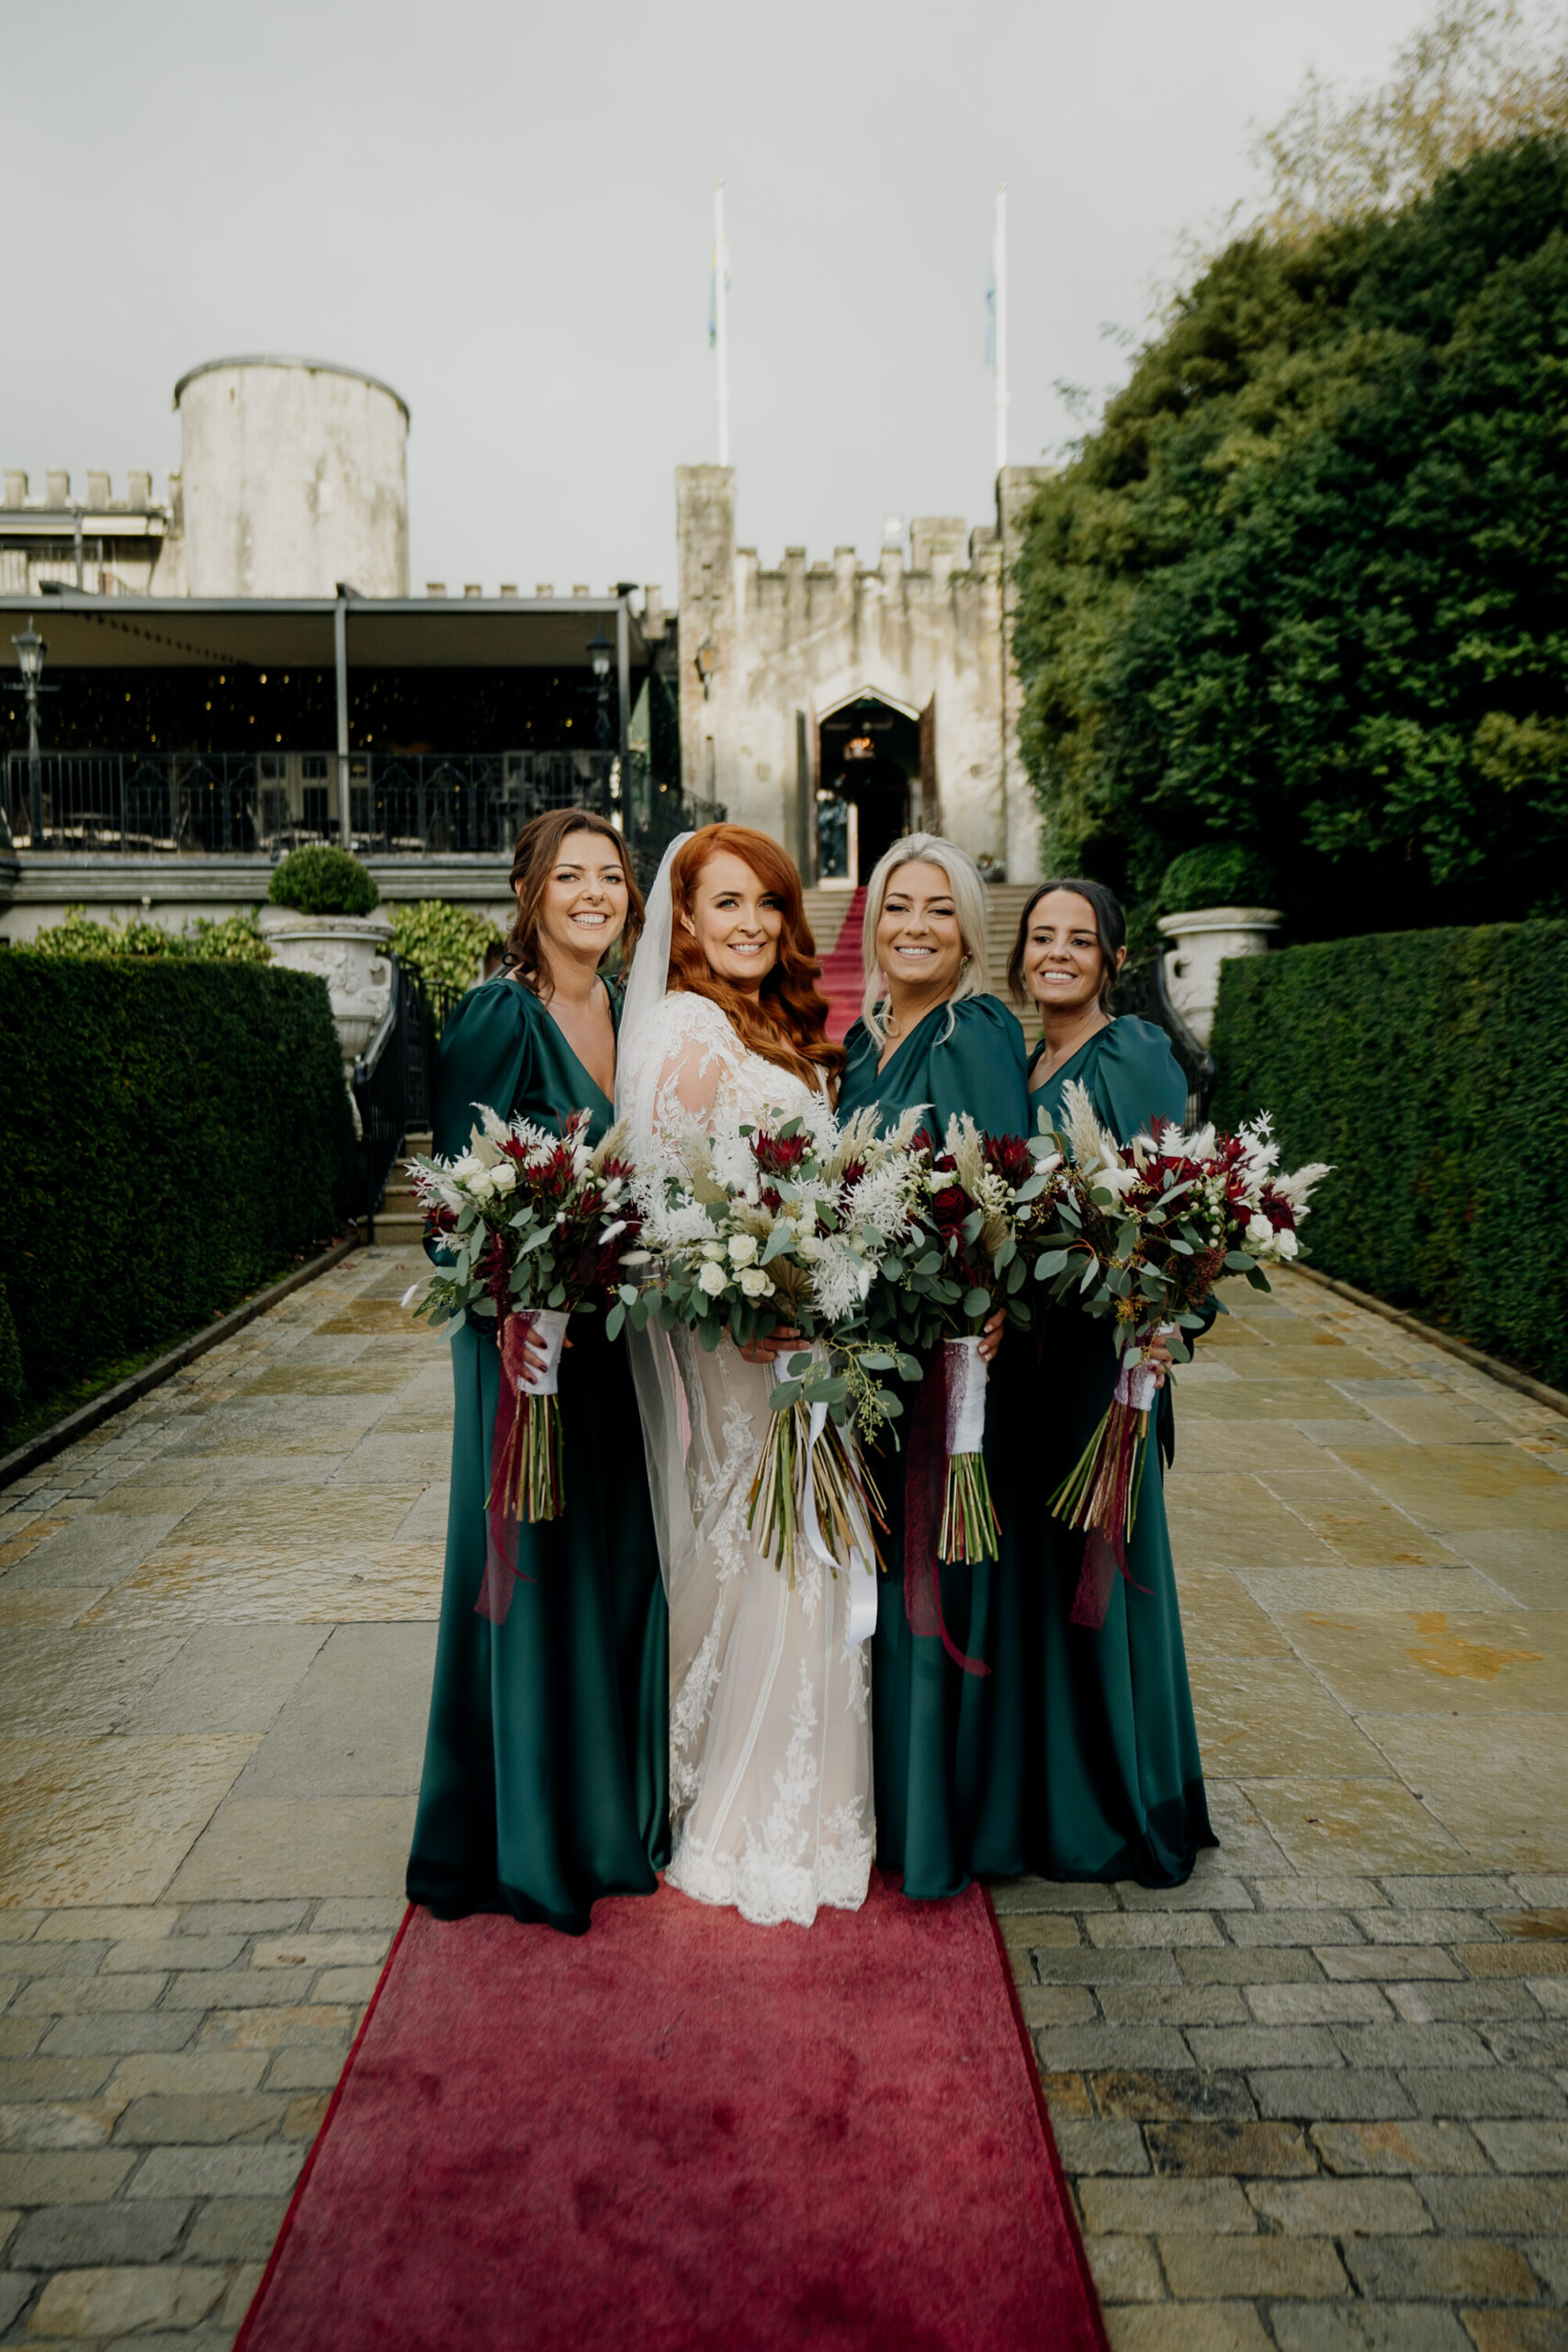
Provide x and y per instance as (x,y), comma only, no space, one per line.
(1145,1231)
(533,1228)
(782,1226)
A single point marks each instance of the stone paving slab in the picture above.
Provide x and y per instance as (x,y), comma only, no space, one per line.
(1317,2099)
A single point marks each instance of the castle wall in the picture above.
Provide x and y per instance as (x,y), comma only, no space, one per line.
(761,652)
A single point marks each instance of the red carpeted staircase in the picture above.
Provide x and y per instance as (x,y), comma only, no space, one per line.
(843,977)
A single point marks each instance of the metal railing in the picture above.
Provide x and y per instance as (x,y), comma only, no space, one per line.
(394,1081)
(400,804)
(1142,990)
(391,1087)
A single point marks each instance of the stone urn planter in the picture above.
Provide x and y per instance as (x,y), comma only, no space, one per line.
(1200,942)
(350,952)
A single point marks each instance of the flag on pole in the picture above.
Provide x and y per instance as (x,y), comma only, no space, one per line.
(991,315)
(713,300)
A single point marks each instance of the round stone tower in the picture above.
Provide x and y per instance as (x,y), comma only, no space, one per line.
(294,477)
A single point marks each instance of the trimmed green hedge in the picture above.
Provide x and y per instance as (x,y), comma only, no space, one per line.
(172,1133)
(1432,1067)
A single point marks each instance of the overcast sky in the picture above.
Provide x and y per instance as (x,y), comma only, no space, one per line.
(503,209)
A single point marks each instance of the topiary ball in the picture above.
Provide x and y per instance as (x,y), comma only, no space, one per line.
(320,880)
(1220,873)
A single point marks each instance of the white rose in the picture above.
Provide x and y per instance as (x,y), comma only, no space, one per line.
(742,1249)
(1285,1243)
(756,1283)
(713,1253)
(504,1175)
(1259,1234)
(481,1187)
(712,1278)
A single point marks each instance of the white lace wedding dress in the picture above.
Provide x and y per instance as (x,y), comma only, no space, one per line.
(770,1729)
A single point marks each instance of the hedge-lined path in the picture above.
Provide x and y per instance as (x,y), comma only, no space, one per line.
(1319,2098)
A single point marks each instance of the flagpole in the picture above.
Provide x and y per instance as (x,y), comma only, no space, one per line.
(721,322)
(999,271)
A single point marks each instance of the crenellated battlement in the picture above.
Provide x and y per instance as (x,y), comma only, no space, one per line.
(943,551)
(55,498)
(769,657)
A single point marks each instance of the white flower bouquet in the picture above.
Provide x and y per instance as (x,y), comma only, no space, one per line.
(532,1227)
(977,1195)
(1143,1232)
(781,1228)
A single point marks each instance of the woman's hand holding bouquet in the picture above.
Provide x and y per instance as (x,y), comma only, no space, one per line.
(532,1229)
(1144,1231)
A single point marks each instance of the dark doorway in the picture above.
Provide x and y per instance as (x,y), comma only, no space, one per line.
(870,756)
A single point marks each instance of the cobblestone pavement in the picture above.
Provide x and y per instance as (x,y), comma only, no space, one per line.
(1319,2098)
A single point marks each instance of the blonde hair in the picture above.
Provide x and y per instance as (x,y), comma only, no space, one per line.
(969,903)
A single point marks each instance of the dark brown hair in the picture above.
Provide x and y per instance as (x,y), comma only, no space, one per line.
(533,860)
(1110,928)
(787,1022)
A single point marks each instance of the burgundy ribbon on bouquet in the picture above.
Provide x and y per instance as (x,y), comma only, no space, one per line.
(924,1477)
(502,1574)
(1105,1556)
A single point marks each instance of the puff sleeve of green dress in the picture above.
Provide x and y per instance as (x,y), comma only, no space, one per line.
(1116,1783)
(545,1764)
(948,1745)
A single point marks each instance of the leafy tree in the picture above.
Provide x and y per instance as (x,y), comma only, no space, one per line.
(1305,591)
(1483,73)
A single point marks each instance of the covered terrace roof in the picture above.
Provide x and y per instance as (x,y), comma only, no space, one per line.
(383,632)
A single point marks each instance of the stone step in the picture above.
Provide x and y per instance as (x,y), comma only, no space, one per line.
(394,1231)
(825,911)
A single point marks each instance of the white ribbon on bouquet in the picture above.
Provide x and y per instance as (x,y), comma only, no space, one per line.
(1137,1383)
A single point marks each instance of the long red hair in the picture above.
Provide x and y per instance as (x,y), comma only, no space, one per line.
(786,1022)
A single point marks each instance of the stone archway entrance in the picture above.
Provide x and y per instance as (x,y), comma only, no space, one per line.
(868,791)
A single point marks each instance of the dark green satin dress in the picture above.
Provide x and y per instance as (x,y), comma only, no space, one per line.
(546,1759)
(1117,1786)
(947,1744)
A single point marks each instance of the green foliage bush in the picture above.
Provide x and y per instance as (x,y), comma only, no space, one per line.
(1304,587)
(173,1133)
(13,1381)
(444,945)
(320,880)
(230,939)
(1221,874)
(1428,1066)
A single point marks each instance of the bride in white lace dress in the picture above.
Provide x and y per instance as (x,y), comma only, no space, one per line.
(770,1788)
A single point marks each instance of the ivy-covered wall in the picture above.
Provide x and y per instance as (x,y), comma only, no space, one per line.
(1429,1068)
(172,1133)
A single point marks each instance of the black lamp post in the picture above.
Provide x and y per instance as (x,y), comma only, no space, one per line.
(31,650)
(600,653)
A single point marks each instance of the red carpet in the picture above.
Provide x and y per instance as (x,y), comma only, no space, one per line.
(681,2132)
(844,980)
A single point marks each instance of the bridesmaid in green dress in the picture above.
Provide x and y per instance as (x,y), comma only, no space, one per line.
(946,1737)
(546,1763)
(1116,1784)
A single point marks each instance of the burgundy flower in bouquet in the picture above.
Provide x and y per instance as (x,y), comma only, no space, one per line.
(1145,1230)
(533,1228)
